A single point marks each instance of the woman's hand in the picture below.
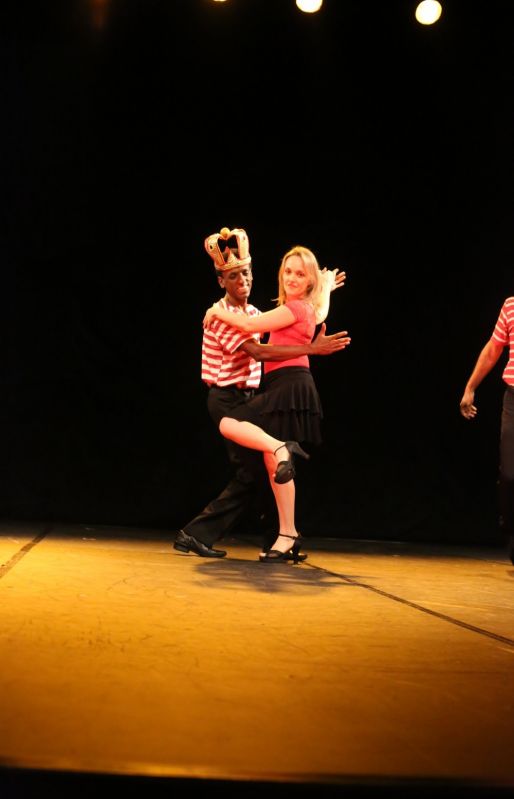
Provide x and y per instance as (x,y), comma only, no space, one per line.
(210,316)
(340,278)
(334,278)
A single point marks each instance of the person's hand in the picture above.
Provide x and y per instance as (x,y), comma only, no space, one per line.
(210,316)
(326,345)
(339,279)
(335,278)
(467,408)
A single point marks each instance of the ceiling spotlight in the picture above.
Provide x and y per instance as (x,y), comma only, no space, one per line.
(428,12)
(309,6)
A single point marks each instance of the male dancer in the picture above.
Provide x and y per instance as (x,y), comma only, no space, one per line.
(231,367)
(501,338)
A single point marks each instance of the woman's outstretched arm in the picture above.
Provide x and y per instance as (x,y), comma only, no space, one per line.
(263,323)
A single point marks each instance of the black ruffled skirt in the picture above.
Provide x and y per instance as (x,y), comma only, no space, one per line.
(287,406)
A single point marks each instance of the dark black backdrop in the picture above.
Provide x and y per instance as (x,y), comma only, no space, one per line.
(131,129)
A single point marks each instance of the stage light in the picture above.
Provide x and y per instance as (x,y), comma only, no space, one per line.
(428,12)
(309,6)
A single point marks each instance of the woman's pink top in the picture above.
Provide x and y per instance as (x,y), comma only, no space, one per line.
(300,331)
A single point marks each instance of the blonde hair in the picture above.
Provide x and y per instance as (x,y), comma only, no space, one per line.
(311,266)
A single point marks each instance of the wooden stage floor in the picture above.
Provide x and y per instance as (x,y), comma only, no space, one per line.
(373,668)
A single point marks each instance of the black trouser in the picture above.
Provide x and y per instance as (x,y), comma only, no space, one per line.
(506,477)
(249,486)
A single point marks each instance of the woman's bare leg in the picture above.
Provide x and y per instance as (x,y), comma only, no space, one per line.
(249,435)
(285,498)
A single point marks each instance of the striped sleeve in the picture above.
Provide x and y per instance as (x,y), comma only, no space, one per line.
(504,327)
(230,338)
(503,334)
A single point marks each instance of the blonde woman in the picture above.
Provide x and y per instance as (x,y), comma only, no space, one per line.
(287,410)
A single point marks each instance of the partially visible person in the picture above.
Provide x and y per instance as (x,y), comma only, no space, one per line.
(502,336)
(287,410)
(231,368)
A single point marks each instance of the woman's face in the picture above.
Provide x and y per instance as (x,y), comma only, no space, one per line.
(295,278)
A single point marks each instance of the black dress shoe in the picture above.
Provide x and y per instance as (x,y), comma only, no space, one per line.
(188,543)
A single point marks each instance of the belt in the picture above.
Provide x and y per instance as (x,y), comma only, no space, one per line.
(234,387)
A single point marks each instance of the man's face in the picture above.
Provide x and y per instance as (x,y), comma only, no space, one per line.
(237,283)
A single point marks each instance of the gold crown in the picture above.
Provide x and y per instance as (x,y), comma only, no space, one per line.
(228,259)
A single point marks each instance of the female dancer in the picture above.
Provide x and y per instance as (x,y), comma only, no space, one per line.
(288,408)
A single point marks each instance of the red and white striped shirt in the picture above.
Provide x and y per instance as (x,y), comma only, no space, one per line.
(223,363)
(504,334)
